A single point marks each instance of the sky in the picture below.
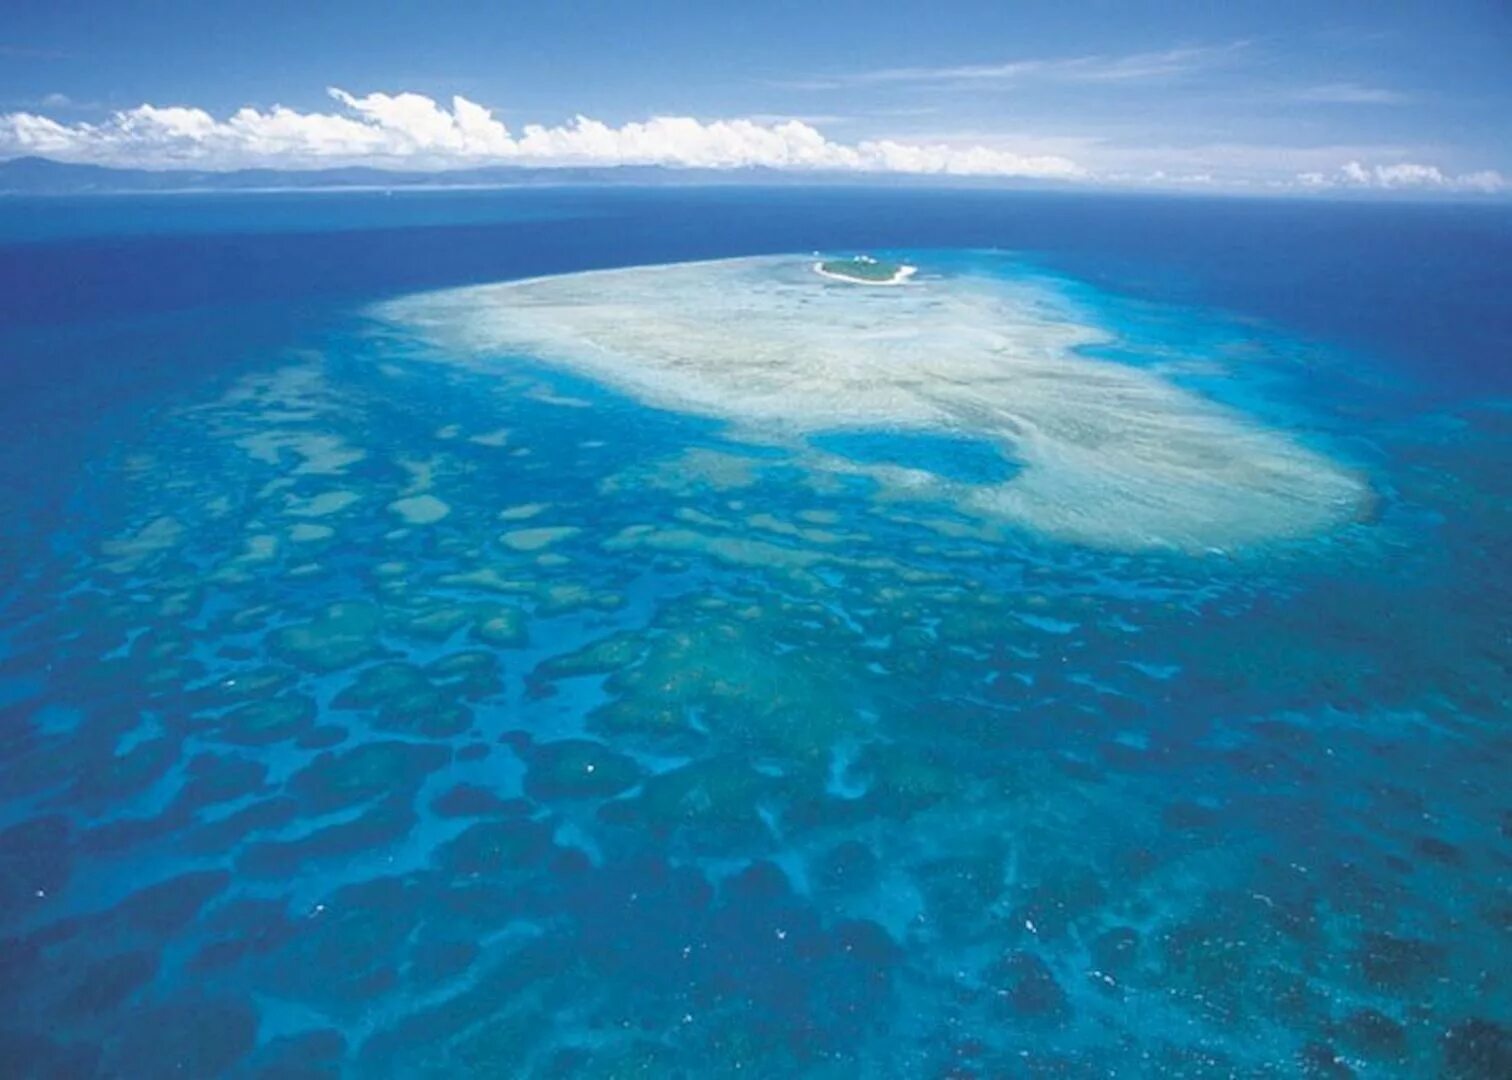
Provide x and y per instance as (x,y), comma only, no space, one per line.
(1273,96)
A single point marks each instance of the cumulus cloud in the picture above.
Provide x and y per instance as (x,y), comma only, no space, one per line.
(1407,175)
(416,131)
(413,131)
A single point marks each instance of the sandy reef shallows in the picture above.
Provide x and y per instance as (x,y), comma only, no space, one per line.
(1112,455)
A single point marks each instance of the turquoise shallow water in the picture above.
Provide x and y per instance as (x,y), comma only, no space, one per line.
(369,713)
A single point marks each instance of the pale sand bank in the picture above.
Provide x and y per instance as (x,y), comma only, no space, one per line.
(1111,455)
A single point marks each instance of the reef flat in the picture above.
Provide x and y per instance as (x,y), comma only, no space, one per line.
(1111,455)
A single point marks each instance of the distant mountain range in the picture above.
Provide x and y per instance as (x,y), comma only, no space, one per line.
(42,176)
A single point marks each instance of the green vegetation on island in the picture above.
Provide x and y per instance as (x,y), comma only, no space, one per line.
(865,269)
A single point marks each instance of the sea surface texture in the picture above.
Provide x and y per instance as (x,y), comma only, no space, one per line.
(557,633)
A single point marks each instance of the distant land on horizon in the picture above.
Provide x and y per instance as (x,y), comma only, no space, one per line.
(43,176)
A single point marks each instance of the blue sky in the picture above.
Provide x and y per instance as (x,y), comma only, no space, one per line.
(1261,96)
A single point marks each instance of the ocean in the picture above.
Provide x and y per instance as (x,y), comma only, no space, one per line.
(421,656)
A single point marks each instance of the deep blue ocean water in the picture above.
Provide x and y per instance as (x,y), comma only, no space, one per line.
(344,734)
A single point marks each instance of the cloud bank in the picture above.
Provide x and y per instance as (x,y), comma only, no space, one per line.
(415,131)
(1407,175)
(412,131)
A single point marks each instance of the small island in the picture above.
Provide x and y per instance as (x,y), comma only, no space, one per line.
(864,270)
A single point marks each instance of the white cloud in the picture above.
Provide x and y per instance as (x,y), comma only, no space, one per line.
(1348,93)
(1161,177)
(1097,69)
(413,130)
(417,132)
(1407,175)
